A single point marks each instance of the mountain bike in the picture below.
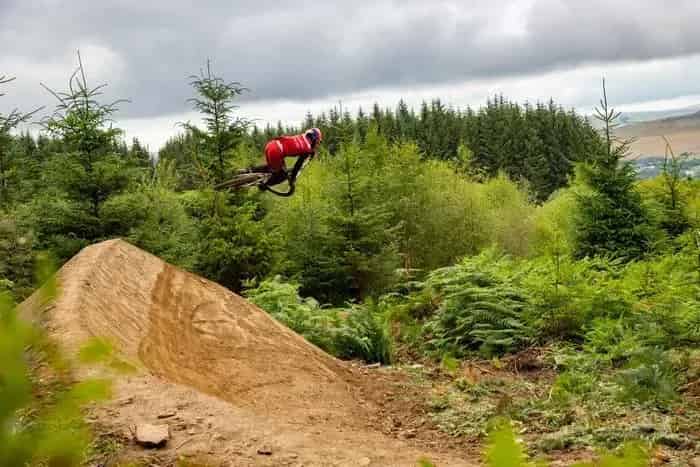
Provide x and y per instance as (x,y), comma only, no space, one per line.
(260,176)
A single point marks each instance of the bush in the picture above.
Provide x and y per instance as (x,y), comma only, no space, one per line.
(16,259)
(154,218)
(649,377)
(481,308)
(365,334)
(360,332)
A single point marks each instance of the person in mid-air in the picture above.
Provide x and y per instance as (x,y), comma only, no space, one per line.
(301,146)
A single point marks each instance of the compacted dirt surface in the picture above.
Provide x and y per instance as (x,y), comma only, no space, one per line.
(234,386)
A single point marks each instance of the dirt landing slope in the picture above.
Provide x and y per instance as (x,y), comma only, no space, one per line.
(225,376)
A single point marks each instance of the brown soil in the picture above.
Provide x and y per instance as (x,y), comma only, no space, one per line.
(229,380)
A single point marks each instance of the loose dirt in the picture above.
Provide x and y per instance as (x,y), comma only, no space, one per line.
(235,387)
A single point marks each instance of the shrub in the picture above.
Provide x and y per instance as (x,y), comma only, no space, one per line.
(649,377)
(360,332)
(481,308)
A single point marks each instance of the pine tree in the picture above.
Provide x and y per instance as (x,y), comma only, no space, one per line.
(675,220)
(365,250)
(7,161)
(139,154)
(362,124)
(83,124)
(613,220)
(214,101)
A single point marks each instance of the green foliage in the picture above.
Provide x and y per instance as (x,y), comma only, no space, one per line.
(338,233)
(365,334)
(214,101)
(612,339)
(235,247)
(613,221)
(649,377)
(480,308)
(154,217)
(10,165)
(366,249)
(50,434)
(633,455)
(92,171)
(360,332)
(373,208)
(449,364)
(303,316)
(182,150)
(79,119)
(512,225)
(16,258)
(503,449)
(539,143)
(69,177)
(554,224)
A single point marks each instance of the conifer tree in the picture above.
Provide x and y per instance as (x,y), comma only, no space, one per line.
(84,126)
(613,221)
(7,161)
(214,100)
(674,221)
(365,250)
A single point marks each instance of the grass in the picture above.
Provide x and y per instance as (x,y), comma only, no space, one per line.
(557,423)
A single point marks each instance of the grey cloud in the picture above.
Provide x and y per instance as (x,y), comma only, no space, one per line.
(305,49)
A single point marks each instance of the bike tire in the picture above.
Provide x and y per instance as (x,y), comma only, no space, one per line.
(243,181)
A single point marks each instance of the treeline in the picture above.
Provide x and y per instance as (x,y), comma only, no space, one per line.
(390,191)
(540,143)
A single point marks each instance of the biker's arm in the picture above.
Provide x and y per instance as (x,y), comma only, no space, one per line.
(297,167)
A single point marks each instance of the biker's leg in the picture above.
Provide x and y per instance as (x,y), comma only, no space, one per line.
(277,177)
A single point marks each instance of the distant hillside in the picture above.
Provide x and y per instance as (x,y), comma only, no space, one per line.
(682,131)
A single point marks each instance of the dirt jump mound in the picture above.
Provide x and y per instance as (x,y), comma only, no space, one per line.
(222,374)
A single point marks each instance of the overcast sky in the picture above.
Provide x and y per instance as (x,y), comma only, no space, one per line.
(306,56)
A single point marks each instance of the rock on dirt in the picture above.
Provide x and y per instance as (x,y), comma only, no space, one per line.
(265,451)
(152,436)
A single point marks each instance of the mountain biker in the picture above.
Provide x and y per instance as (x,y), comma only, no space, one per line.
(302,146)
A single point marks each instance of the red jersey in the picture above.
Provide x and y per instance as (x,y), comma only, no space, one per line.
(286,146)
(294,145)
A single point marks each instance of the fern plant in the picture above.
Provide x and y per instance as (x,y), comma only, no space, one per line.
(481,309)
(505,450)
(360,332)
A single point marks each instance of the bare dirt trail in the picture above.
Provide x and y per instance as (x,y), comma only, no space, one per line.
(235,386)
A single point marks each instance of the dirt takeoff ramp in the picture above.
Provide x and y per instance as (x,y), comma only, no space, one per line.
(235,387)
